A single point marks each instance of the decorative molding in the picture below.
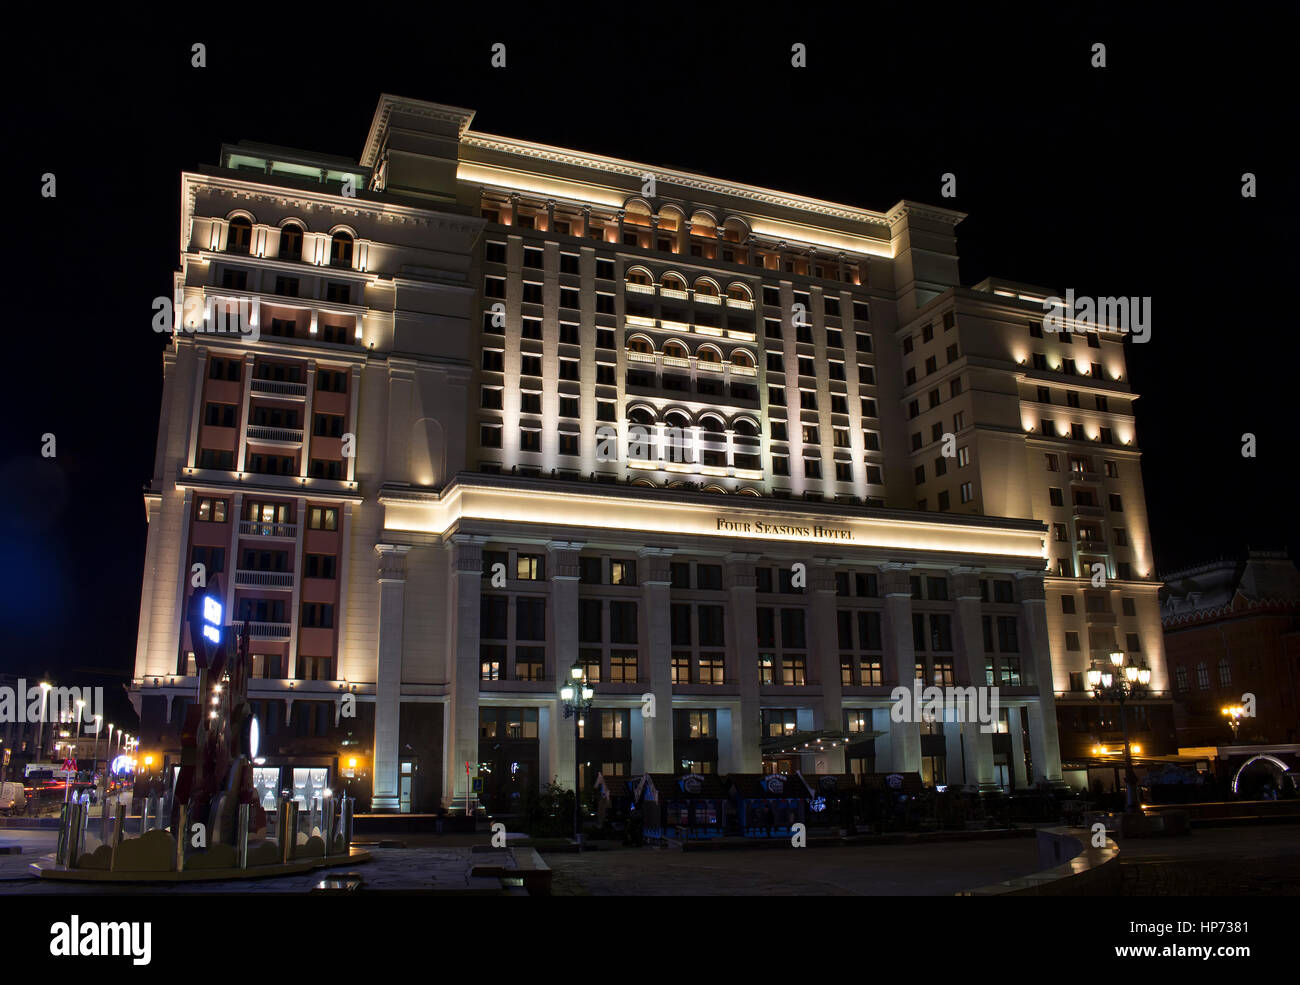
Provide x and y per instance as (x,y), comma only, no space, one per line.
(610,165)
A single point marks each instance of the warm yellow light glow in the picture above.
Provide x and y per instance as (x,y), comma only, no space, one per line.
(466,501)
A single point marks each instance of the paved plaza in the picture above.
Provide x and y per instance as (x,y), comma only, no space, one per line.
(1257,861)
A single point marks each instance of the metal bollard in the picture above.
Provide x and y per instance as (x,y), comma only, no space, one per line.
(65,817)
(345,824)
(182,836)
(289,831)
(242,835)
(328,829)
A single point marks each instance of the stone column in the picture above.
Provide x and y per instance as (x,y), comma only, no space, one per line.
(968,638)
(242,450)
(824,654)
(896,587)
(563,572)
(1017,765)
(657,673)
(388,678)
(742,653)
(466,586)
(1044,743)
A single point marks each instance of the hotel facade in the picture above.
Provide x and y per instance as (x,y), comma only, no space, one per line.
(752,459)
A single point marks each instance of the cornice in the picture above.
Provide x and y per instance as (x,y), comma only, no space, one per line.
(250,191)
(611,165)
(411,107)
(905,208)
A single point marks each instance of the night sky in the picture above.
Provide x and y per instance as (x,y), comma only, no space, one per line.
(1117,181)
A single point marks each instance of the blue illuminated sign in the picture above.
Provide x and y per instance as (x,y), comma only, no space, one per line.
(212,612)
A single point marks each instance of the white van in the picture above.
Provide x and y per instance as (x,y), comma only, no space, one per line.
(13,799)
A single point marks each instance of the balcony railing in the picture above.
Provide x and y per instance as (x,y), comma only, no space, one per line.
(639,288)
(740,303)
(1083,510)
(269,631)
(640,357)
(264,579)
(738,370)
(707,298)
(278,388)
(709,367)
(256,528)
(258,432)
(672,292)
(681,362)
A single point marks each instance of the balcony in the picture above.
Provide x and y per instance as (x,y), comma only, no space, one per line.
(275,531)
(274,631)
(279,388)
(707,298)
(264,579)
(640,357)
(672,292)
(681,362)
(740,303)
(738,370)
(708,367)
(639,321)
(639,288)
(257,432)
(1078,476)
(1082,510)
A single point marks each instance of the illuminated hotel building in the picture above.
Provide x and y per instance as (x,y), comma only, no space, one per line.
(511,407)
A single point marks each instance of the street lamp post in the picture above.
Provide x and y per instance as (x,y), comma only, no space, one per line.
(1126,682)
(1235,714)
(40,732)
(577,697)
(94,758)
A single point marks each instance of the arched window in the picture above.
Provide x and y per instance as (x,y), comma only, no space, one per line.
(676,419)
(740,357)
(739,292)
(713,488)
(640,343)
(636,213)
(713,425)
(703,224)
(675,350)
(708,354)
(639,276)
(341,250)
(675,282)
(239,236)
(704,287)
(642,417)
(291,242)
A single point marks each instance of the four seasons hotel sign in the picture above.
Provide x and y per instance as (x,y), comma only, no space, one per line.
(793,531)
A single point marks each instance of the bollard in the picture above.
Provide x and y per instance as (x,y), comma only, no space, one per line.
(182,836)
(289,836)
(345,824)
(77,835)
(61,851)
(242,835)
(119,831)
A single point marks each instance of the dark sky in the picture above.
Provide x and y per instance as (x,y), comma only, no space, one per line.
(1117,181)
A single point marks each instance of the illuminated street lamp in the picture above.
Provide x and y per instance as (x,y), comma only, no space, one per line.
(577,697)
(40,733)
(94,759)
(1118,684)
(1235,714)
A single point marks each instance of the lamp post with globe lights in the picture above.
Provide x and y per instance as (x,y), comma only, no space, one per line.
(1235,714)
(1118,684)
(577,698)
